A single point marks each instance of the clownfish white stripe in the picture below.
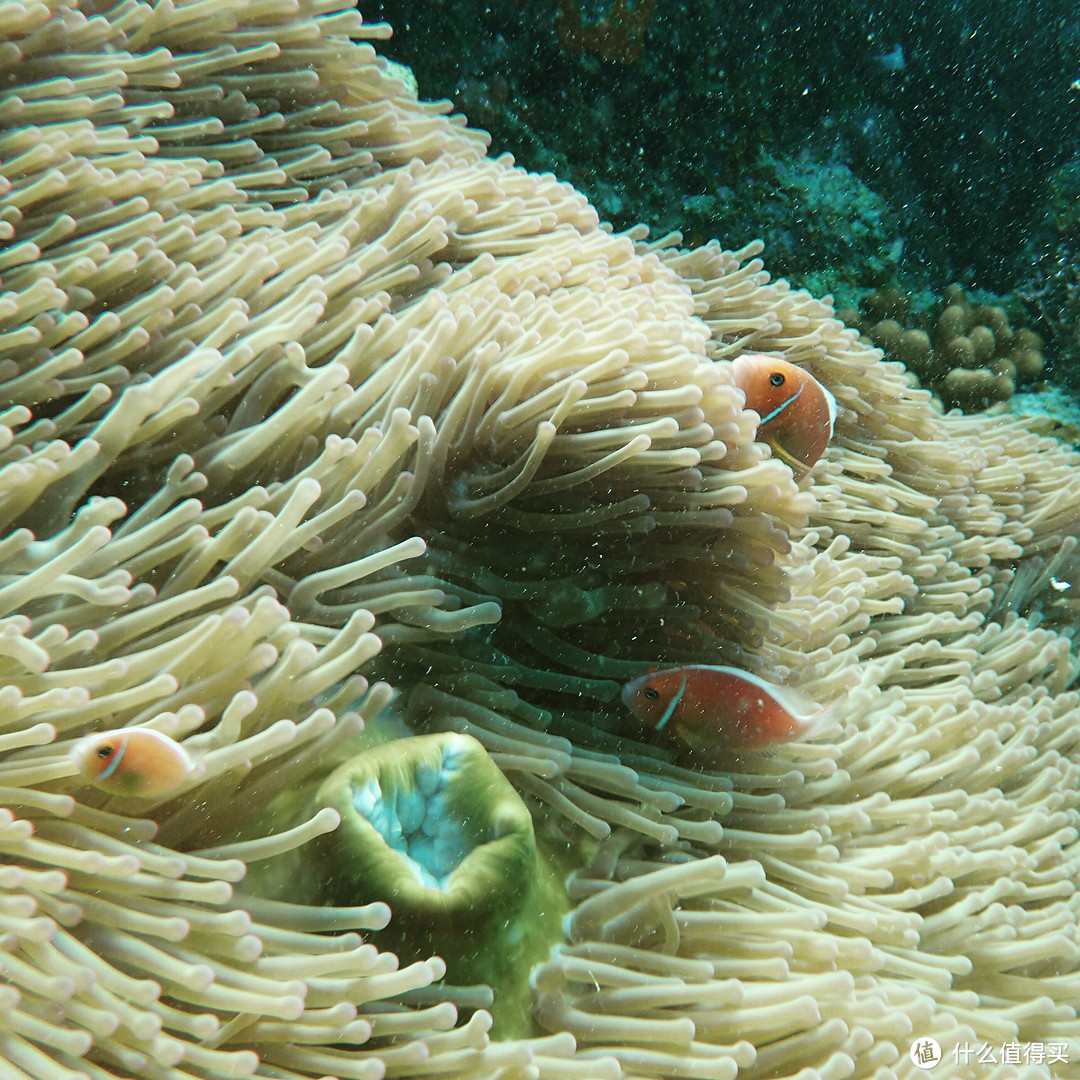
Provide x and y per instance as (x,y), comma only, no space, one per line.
(674,703)
(782,406)
(114,761)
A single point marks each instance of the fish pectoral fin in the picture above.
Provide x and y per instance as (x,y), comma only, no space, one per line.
(798,467)
(669,711)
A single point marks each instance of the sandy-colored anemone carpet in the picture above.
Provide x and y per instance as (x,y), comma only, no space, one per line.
(320,426)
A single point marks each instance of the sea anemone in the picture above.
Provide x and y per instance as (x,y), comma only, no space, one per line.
(430,826)
(325,428)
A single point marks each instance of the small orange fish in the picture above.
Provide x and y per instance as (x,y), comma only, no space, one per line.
(797,412)
(133,761)
(718,706)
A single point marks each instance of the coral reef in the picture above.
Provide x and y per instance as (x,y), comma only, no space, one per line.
(1050,288)
(1051,298)
(838,235)
(966,353)
(618,36)
(322,419)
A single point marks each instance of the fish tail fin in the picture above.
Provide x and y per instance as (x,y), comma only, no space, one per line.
(826,722)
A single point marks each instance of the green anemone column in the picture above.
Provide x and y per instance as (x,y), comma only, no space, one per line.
(432,827)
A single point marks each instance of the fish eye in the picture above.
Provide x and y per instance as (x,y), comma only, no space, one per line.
(652,694)
(776,378)
(104,750)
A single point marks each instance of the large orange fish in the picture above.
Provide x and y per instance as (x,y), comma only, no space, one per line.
(133,761)
(797,412)
(719,707)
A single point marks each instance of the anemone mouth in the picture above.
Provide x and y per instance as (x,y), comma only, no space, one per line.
(430,825)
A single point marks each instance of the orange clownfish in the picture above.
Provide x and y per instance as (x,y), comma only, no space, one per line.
(718,706)
(133,761)
(797,412)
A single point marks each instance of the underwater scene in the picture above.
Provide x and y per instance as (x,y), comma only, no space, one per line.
(539,541)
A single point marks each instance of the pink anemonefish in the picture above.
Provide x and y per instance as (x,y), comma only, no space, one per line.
(797,412)
(133,761)
(718,707)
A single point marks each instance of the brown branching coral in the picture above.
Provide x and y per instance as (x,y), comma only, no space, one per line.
(966,353)
(305,392)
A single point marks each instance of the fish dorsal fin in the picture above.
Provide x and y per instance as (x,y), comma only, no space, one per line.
(669,711)
(799,704)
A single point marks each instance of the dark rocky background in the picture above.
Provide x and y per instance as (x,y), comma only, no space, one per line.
(904,145)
